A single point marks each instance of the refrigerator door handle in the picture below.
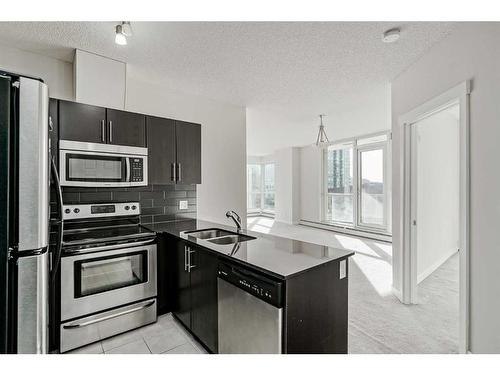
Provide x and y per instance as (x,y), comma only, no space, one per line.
(58,222)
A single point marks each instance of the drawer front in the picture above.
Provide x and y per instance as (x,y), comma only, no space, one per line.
(97,327)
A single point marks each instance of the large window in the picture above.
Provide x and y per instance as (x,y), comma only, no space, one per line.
(260,188)
(340,188)
(355,183)
(268,187)
(254,188)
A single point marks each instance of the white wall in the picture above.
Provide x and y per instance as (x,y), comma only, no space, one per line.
(311,183)
(57,74)
(287,185)
(99,80)
(271,129)
(437,159)
(223,156)
(470,52)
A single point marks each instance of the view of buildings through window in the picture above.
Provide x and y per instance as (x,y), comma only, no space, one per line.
(260,188)
(355,186)
(340,185)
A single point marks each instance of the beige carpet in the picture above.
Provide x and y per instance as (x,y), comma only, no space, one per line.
(378,322)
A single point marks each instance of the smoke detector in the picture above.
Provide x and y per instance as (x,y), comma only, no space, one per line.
(391,35)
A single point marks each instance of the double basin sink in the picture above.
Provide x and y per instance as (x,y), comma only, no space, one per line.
(219,236)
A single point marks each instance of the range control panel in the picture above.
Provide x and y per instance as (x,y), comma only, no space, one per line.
(83,211)
(260,286)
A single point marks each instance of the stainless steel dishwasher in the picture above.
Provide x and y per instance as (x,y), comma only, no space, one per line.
(250,309)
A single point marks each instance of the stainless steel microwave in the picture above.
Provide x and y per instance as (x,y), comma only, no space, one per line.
(102,165)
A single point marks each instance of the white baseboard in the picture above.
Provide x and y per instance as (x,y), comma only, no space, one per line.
(433,267)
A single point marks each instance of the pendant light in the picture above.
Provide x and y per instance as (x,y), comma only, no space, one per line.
(322,139)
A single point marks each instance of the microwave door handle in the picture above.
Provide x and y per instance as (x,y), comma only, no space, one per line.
(127,167)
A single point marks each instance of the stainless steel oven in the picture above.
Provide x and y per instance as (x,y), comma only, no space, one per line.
(107,277)
(107,291)
(108,273)
(102,165)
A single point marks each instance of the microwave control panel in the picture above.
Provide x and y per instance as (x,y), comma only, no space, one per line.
(136,170)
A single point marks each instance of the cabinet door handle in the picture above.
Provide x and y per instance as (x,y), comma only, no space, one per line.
(190,267)
(185,258)
(172,172)
(103,132)
(179,171)
(110,131)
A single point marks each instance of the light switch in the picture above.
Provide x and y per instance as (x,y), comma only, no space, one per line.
(183,205)
(343,269)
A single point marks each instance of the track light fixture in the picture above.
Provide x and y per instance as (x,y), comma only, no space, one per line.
(122,31)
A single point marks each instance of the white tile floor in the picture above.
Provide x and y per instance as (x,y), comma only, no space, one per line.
(166,336)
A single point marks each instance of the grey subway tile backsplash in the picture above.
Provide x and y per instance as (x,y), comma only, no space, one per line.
(176,194)
(152,211)
(159,203)
(97,197)
(126,196)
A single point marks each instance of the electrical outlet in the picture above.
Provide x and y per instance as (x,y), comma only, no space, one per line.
(343,269)
(183,205)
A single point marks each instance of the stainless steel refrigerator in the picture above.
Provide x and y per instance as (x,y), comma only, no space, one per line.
(24,214)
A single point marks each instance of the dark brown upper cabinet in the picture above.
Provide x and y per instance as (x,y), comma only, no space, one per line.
(89,123)
(188,136)
(82,122)
(174,151)
(161,149)
(126,128)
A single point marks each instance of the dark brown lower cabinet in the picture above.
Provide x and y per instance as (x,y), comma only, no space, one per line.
(194,292)
(204,297)
(315,316)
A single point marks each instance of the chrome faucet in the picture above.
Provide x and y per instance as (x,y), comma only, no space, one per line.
(236,218)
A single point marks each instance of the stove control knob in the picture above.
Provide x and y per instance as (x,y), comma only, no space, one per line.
(67,211)
(127,208)
(76,210)
(134,207)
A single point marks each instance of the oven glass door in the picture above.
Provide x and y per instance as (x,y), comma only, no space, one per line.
(96,168)
(103,274)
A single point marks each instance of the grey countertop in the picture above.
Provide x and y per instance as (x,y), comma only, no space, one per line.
(282,257)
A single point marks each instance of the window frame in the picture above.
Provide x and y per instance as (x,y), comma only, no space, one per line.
(372,147)
(356,160)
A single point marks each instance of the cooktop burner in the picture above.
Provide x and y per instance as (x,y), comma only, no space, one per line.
(96,225)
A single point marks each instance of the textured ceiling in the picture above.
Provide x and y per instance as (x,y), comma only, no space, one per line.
(290,70)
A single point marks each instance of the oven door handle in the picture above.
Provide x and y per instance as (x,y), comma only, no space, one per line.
(128,245)
(112,316)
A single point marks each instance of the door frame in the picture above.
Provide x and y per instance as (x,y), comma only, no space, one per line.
(459,94)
